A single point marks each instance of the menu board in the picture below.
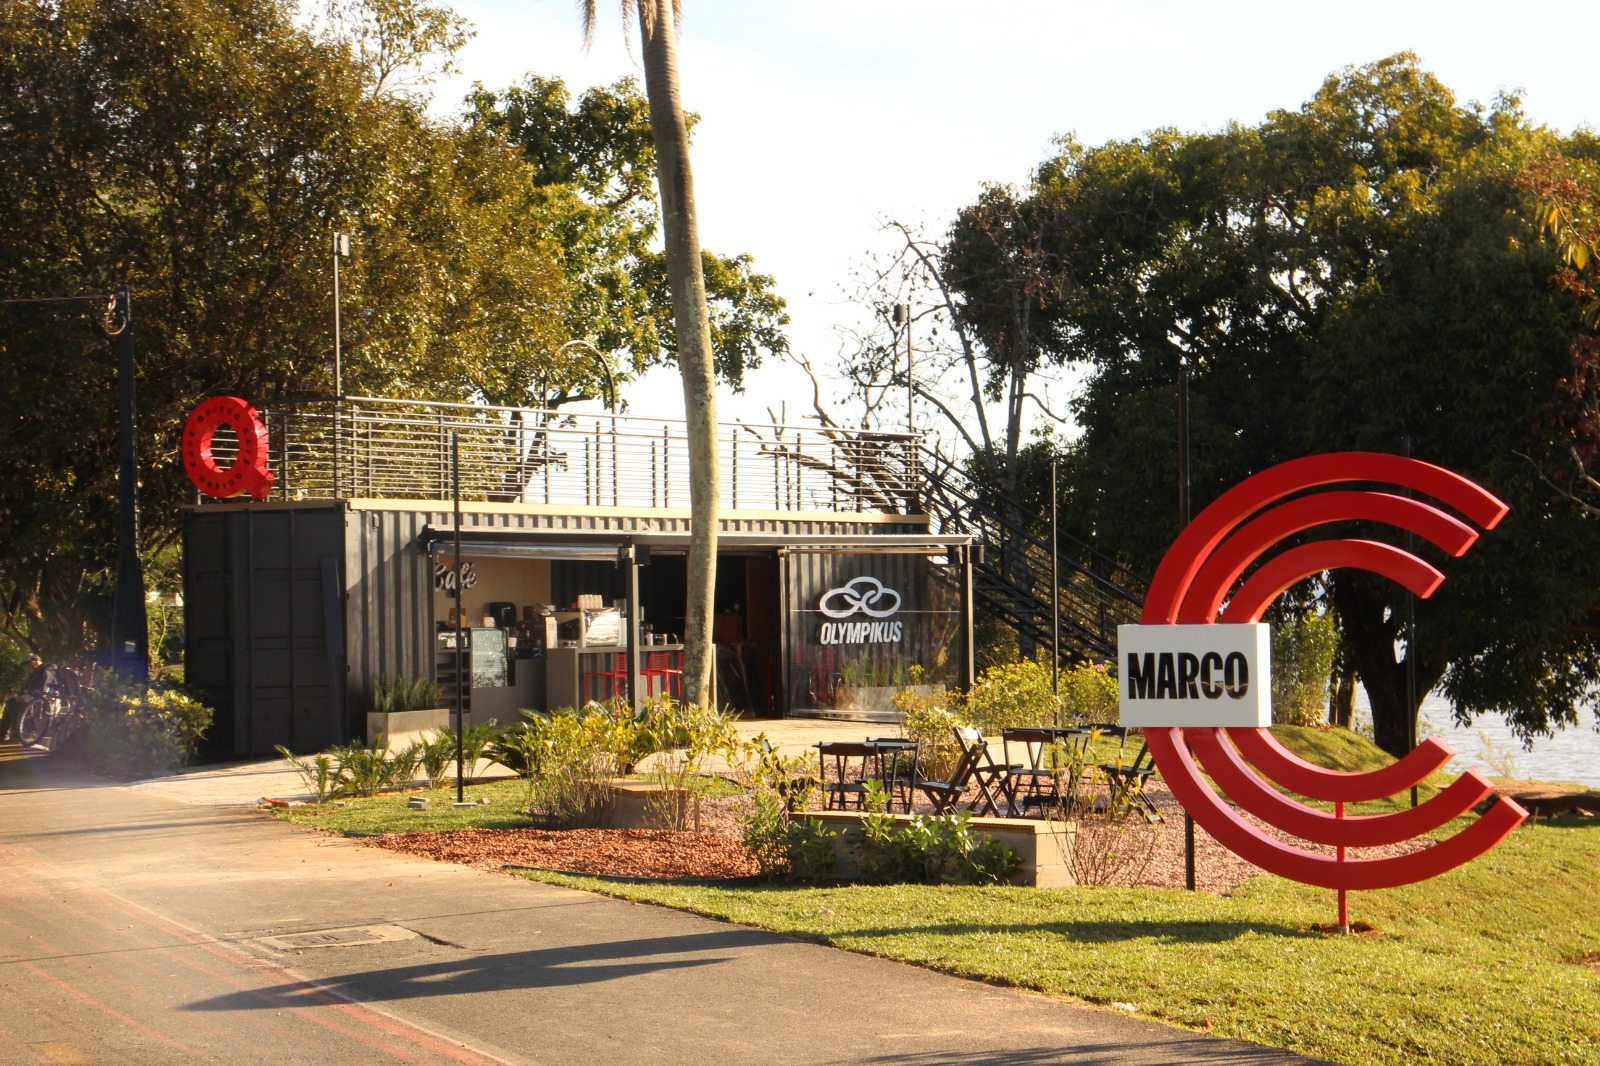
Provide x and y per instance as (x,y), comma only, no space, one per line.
(489,669)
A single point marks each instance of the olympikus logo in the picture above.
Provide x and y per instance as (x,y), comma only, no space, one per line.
(860,632)
(1186,676)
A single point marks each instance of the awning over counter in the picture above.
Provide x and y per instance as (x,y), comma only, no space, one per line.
(602,545)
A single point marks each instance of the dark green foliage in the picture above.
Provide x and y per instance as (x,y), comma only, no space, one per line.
(203,152)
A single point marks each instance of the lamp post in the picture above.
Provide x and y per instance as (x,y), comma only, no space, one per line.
(901,316)
(341,250)
(605,366)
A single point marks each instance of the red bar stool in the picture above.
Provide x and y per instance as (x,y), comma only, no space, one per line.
(659,664)
(612,679)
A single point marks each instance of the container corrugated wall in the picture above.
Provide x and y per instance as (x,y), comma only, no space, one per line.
(390,609)
(264,621)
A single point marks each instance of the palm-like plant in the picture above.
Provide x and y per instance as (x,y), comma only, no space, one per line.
(685,280)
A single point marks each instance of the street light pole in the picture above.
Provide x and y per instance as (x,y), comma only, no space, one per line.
(901,315)
(341,250)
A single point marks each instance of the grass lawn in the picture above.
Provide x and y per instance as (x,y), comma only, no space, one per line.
(1497,962)
(1483,965)
(392,813)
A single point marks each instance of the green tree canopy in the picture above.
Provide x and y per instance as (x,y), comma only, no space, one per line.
(204,152)
(1362,272)
(594,166)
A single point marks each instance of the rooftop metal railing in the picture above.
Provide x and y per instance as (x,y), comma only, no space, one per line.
(400,449)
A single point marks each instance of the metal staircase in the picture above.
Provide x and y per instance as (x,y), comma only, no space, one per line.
(1011,580)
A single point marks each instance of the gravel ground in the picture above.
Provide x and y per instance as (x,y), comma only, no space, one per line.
(717,852)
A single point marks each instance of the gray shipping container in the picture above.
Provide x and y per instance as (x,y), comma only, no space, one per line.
(293,609)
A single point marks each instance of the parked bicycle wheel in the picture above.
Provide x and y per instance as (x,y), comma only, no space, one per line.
(34,723)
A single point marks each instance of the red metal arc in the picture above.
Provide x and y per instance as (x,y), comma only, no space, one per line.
(1249,791)
(1296,564)
(1308,779)
(1203,600)
(1191,585)
(1200,538)
(1297,864)
(248,472)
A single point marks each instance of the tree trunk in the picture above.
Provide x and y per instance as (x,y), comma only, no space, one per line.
(687,285)
(1370,639)
(1342,699)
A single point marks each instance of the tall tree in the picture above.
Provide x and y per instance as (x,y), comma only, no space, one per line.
(203,150)
(686,282)
(1361,272)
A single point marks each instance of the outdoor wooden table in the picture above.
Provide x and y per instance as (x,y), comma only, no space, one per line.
(897,767)
(887,762)
(1042,781)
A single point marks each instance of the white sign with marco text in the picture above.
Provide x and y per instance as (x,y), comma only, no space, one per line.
(1195,675)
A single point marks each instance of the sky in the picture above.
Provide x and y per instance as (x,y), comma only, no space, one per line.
(822,120)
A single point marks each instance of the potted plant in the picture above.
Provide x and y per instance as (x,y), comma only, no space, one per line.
(403,709)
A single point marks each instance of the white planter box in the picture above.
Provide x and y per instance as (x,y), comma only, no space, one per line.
(400,728)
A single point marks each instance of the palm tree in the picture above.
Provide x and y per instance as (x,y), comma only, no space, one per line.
(690,322)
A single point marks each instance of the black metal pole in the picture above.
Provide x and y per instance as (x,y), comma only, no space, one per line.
(461,681)
(631,554)
(1055,598)
(1183,522)
(1411,655)
(130,630)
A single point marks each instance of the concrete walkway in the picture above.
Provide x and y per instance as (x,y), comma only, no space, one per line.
(167,922)
(245,784)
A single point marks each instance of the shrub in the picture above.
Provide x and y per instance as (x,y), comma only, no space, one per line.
(361,770)
(1089,693)
(580,755)
(793,778)
(516,747)
(945,850)
(1302,659)
(928,718)
(434,756)
(1015,694)
(927,850)
(316,771)
(477,742)
(685,735)
(131,730)
(394,694)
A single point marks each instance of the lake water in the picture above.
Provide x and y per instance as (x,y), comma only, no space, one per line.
(1572,755)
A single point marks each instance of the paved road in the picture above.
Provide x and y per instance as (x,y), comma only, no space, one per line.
(135,928)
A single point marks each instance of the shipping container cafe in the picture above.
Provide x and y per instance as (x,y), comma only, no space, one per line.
(323,556)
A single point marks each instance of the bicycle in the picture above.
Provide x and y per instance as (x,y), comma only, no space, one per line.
(51,715)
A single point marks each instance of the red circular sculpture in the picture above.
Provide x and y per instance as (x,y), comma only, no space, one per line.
(248,472)
(1190,586)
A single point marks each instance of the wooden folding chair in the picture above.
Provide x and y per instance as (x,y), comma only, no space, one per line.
(1126,782)
(946,794)
(973,767)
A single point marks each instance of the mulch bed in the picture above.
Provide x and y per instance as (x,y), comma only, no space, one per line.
(653,853)
(718,853)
